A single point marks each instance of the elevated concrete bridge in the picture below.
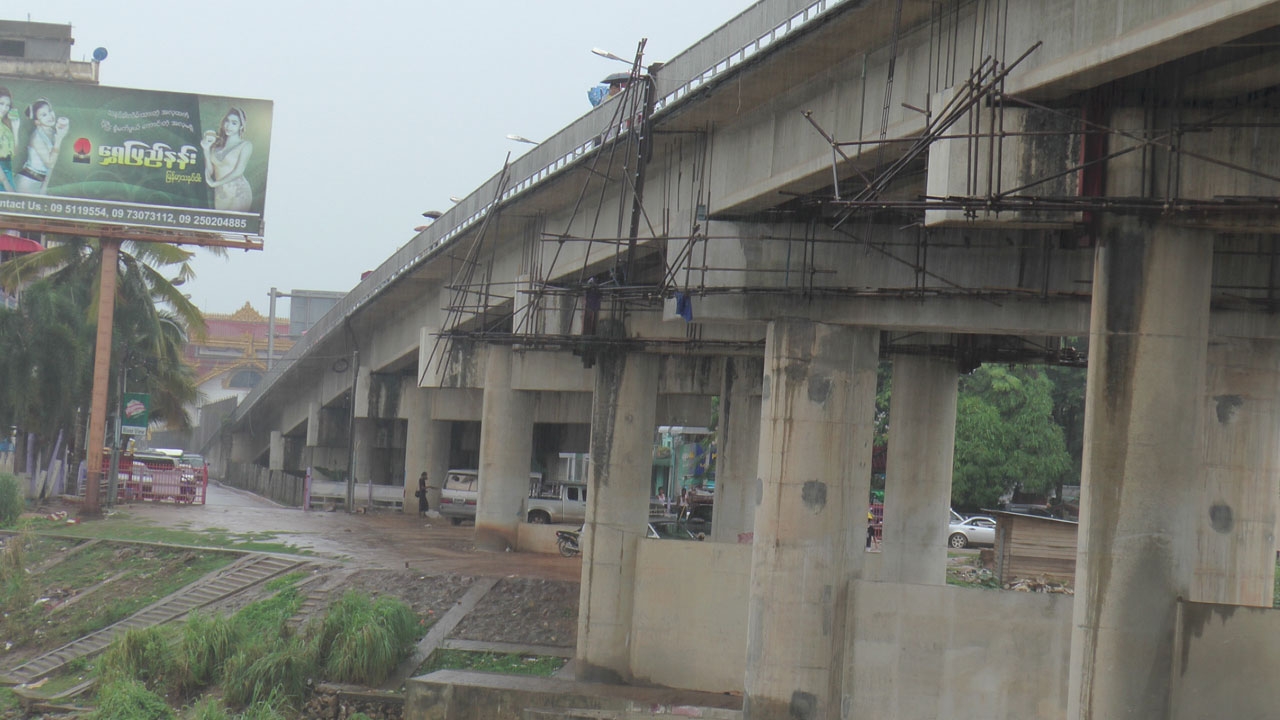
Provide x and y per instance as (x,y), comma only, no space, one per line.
(812,188)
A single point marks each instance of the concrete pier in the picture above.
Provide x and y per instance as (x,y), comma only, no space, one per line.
(426,448)
(917,494)
(1142,460)
(739,433)
(623,417)
(506,448)
(815,456)
(1237,507)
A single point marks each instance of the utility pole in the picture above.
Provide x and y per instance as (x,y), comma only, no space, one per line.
(271,330)
(101,374)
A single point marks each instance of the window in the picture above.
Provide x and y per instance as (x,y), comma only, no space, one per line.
(13,48)
(244,379)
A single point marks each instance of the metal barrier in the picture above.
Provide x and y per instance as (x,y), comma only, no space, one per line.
(140,480)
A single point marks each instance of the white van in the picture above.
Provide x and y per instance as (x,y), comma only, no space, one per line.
(458,495)
(460,490)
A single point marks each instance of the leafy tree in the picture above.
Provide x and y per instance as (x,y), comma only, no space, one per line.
(1006,436)
(151,321)
(45,359)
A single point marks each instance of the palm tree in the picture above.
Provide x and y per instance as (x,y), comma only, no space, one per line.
(151,322)
(45,360)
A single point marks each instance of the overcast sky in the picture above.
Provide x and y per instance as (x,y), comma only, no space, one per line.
(383,109)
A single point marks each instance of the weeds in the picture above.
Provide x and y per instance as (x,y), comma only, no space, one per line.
(277,676)
(207,642)
(130,700)
(145,655)
(362,641)
(506,663)
(11,501)
(208,708)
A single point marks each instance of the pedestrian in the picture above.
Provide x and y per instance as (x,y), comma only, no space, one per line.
(664,502)
(423,505)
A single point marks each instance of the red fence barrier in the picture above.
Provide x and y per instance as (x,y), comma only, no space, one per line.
(151,479)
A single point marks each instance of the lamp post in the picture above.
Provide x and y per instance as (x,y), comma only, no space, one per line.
(610,56)
(522,139)
(271,326)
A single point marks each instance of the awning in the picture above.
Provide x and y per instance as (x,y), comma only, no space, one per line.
(17,243)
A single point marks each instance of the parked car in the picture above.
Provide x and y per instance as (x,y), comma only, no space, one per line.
(671,530)
(460,492)
(977,530)
(565,503)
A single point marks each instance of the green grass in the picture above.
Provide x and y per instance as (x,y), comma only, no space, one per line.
(1275,603)
(505,663)
(8,701)
(148,574)
(130,700)
(363,640)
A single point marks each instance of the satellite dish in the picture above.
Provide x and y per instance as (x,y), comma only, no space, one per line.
(99,54)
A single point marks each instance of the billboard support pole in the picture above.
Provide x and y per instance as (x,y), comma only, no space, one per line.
(101,371)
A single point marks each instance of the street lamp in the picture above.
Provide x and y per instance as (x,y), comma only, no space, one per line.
(610,56)
(521,138)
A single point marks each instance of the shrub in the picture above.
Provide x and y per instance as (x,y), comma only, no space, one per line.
(11,501)
(207,642)
(207,709)
(362,640)
(277,672)
(144,655)
(130,700)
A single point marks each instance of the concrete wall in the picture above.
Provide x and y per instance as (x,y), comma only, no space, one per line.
(1227,660)
(689,628)
(919,652)
(923,652)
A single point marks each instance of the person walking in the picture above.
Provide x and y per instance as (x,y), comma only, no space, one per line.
(423,505)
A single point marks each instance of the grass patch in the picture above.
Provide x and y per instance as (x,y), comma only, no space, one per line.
(1275,602)
(363,640)
(505,663)
(60,603)
(130,700)
(12,503)
(8,701)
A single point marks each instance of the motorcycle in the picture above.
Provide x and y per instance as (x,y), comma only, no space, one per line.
(567,541)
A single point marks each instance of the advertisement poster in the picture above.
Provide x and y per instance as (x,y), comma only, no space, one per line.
(135,413)
(117,156)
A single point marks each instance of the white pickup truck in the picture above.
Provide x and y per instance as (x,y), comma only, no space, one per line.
(565,503)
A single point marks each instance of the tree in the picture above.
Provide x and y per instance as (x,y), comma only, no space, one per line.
(45,359)
(151,322)
(1006,436)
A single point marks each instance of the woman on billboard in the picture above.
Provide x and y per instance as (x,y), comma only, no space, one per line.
(227,154)
(8,138)
(47,133)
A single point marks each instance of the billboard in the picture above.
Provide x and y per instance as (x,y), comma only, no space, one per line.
(116,156)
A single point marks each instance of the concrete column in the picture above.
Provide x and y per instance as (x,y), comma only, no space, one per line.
(506,447)
(815,474)
(623,417)
(275,454)
(426,448)
(1237,509)
(1142,467)
(241,447)
(738,436)
(366,433)
(313,424)
(917,495)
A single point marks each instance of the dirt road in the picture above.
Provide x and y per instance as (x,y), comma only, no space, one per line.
(386,539)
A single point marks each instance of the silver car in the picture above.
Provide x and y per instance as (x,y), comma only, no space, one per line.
(977,530)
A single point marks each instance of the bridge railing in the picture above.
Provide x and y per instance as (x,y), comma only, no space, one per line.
(721,53)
